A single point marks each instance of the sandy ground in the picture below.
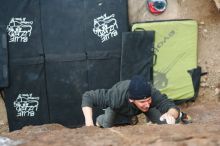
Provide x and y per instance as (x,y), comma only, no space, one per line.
(205,129)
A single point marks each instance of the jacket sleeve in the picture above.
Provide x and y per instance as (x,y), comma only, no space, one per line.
(106,120)
(154,115)
(161,102)
(95,98)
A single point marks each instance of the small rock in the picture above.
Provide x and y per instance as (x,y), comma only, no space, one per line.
(212,87)
(204,85)
(202,94)
(212,63)
(202,22)
(204,79)
(217,91)
(1,123)
(205,30)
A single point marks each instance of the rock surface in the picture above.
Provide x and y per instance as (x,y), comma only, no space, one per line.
(205,130)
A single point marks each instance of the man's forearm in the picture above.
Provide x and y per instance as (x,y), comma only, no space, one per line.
(87,111)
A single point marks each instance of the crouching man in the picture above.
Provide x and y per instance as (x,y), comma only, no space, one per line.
(129,98)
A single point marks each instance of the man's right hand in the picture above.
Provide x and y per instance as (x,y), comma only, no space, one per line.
(168,118)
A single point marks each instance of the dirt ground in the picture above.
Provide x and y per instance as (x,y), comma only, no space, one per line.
(205,129)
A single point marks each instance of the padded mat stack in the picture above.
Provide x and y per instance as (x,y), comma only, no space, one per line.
(176,50)
(65,59)
(25,98)
(82,49)
(105,22)
(58,50)
(137,55)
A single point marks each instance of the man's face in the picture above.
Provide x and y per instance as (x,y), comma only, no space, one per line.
(143,104)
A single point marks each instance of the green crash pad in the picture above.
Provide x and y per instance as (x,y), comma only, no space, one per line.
(176,50)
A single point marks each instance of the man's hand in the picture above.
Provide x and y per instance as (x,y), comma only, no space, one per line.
(169,118)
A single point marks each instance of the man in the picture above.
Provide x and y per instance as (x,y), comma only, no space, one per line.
(129,98)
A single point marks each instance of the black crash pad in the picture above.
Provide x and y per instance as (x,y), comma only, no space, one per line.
(137,54)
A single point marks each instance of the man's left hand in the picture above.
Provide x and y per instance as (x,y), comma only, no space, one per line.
(169,118)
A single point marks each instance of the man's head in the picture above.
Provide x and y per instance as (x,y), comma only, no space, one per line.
(140,93)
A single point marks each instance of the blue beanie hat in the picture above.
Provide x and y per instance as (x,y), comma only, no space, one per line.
(139,88)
